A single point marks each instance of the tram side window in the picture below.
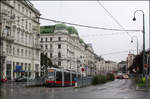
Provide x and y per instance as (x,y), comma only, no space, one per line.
(58,76)
(67,76)
(73,76)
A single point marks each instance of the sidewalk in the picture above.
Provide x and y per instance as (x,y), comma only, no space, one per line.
(142,89)
(25,84)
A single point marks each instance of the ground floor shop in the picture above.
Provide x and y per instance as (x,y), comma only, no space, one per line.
(13,69)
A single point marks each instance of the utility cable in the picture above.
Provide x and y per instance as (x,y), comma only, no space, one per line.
(119,52)
(111,34)
(93,27)
(112,17)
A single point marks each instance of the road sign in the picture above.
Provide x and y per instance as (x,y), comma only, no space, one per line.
(75,79)
(145,66)
(82,69)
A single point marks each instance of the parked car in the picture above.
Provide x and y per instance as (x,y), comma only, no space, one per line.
(23,79)
(119,77)
(3,80)
(125,76)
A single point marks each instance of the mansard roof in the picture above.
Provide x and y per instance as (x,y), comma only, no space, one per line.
(51,28)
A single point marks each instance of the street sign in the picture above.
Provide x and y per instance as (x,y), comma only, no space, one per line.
(145,66)
(75,79)
(82,69)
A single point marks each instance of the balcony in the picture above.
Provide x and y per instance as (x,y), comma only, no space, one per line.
(9,39)
(37,46)
(3,55)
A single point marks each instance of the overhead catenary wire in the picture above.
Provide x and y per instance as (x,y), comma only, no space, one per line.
(98,35)
(112,17)
(92,27)
(118,52)
(81,25)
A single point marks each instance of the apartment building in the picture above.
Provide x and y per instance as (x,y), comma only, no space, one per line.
(62,44)
(19,31)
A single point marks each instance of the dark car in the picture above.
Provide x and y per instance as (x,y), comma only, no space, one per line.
(119,77)
(22,79)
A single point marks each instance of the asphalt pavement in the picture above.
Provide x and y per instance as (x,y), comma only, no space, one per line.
(124,89)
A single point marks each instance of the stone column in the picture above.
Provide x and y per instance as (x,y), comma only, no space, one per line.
(12,68)
(4,70)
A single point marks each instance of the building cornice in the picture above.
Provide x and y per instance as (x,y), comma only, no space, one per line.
(30,5)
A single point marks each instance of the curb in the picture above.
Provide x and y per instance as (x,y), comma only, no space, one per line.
(141,89)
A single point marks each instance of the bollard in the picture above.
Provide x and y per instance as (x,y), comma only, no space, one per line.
(76,85)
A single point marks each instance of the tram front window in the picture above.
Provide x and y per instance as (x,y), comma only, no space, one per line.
(51,75)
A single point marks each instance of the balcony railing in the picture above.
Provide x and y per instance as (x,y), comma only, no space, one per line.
(9,39)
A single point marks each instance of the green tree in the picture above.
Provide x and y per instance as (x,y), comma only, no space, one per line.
(46,63)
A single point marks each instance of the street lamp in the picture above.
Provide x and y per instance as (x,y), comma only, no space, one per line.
(137,42)
(143,30)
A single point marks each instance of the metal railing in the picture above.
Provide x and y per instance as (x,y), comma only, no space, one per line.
(85,81)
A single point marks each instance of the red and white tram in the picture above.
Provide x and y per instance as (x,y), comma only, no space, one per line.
(61,77)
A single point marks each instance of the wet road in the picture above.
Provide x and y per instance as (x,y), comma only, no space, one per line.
(116,89)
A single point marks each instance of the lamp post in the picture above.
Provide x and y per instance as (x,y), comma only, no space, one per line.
(143,30)
(137,42)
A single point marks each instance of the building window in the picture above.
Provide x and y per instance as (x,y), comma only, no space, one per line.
(30,13)
(51,46)
(45,46)
(14,29)
(25,66)
(19,7)
(29,67)
(41,39)
(10,49)
(30,26)
(51,39)
(59,38)
(45,39)
(27,12)
(22,35)
(41,46)
(25,53)
(22,9)
(22,22)
(59,55)
(37,67)
(29,53)
(46,54)
(37,53)
(7,49)
(26,24)
(30,39)
(18,20)
(18,51)
(21,52)
(13,50)
(59,63)
(59,46)
(26,39)
(51,55)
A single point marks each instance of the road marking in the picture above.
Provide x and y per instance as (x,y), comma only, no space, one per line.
(125,97)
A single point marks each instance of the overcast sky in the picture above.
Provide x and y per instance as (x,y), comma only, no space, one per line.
(105,43)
